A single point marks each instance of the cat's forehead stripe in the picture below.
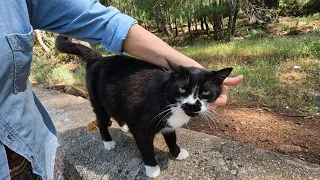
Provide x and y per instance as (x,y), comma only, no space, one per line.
(192,98)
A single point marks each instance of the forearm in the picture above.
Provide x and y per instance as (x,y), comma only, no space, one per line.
(148,47)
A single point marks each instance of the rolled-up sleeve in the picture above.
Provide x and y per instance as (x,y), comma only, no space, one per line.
(86,20)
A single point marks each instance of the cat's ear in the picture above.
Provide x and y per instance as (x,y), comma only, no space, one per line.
(222,74)
(173,66)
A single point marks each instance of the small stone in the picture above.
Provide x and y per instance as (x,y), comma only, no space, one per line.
(296,67)
(289,148)
(263,139)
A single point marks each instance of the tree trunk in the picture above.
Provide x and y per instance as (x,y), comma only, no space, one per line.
(201,22)
(217,28)
(217,23)
(40,40)
(170,24)
(235,16)
(189,27)
(230,20)
(176,27)
(207,27)
(195,25)
(164,28)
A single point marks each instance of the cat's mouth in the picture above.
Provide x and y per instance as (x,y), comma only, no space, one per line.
(191,109)
(192,114)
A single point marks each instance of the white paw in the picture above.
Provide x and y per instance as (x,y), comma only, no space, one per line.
(183,154)
(108,145)
(152,171)
(125,128)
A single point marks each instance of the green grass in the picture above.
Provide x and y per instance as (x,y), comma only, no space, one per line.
(241,50)
(265,62)
(309,18)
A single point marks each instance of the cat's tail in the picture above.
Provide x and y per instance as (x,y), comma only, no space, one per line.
(64,45)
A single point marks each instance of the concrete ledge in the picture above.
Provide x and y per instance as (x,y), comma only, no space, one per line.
(82,155)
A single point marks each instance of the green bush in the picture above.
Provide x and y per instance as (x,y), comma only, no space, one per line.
(291,7)
(311,7)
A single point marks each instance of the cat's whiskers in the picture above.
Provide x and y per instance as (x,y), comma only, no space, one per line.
(163,110)
(212,117)
(204,115)
(165,116)
(160,114)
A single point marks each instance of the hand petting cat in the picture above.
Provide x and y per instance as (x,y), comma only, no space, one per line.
(222,99)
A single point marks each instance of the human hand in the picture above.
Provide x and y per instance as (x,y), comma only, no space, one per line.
(222,99)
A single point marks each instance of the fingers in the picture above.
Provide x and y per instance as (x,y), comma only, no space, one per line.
(221,100)
(232,81)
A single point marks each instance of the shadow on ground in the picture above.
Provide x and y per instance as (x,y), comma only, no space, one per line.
(83,152)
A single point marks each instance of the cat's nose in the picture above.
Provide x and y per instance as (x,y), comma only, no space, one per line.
(191,108)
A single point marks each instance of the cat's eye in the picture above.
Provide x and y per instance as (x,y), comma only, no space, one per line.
(205,93)
(182,90)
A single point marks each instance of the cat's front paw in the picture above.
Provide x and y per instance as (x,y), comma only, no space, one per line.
(108,145)
(183,154)
(152,171)
(125,128)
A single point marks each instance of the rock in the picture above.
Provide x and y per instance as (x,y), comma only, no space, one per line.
(289,148)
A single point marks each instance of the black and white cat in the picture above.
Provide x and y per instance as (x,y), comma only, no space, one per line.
(145,99)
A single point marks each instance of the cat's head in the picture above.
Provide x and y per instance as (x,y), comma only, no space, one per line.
(190,89)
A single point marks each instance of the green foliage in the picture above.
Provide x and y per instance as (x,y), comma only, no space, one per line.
(61,75)
(311,7)
(291,7)
(210,10)
(254,33)
(40,70)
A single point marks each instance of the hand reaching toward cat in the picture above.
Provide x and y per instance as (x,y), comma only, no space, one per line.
(222,99)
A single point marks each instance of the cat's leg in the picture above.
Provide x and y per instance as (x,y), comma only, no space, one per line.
(171,140)
(123,126)
(145,145)
(103,121)
(103,118)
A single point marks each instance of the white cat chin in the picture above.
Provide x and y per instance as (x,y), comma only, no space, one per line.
(152,171)
(178,117)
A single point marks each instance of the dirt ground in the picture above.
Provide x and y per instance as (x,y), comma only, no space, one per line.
(260,128)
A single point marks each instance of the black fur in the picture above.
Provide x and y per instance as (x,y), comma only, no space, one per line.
(135,93)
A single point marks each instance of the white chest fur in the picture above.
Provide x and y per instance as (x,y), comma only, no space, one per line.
(178,118)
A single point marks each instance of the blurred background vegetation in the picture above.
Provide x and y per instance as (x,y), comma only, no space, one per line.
(275,44)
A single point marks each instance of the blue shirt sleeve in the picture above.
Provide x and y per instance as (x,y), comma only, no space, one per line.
(86,20)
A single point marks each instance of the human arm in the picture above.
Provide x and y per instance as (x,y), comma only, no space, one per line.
(85,20)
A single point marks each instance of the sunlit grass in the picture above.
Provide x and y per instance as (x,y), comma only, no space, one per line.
(267,65)
(240,50)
